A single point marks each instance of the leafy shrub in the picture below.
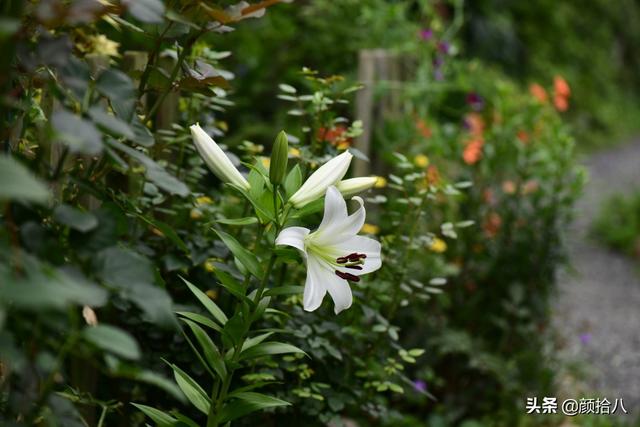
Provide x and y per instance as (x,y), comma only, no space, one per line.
(618,224)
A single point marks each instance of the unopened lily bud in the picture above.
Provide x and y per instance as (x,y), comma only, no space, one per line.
(279,159)
(326,175)
(216,159)
(352,186)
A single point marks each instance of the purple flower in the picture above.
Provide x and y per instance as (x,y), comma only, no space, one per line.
(420,386)
(426,34)
(585,338)
(475,101)
(443,47)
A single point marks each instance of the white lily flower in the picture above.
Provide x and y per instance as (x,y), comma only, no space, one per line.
(349,187)
(328,174)
(334,253)
(216,159)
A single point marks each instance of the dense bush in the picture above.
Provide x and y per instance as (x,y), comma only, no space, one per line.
(130,274)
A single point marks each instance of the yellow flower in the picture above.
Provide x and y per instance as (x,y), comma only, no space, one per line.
(208,266)
(266,161)
(343,145)
(101,45)
(212,294)
(195,213)
(370,229)
(294,152)
(204,200)
(438,245)
(421,161)
(381,182)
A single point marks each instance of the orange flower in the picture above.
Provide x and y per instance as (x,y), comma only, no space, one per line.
(473,151)
(433,175)
(334,136)
(508,187)
(422,127)
(538,92)
(475,124)
(561,87)
(523,136)
(492,224)
(561,103)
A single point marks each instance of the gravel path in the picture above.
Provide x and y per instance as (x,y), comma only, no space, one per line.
(597,311)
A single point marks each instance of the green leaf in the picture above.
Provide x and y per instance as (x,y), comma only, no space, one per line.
(75,218)
(113,340)
(231,284)
(199,318)
(285,290)
(235,328)
(293,181)
(248,402)
(118,368)
(80,135)
(238,221)
(43,287)
(154,171)
(110,123)
(17,182)
(211,352)
(161,418)
(211,306)
(147,11)
(192,390)
(134,276)
(269,348)
(118,87)
(167,230)
(248,259)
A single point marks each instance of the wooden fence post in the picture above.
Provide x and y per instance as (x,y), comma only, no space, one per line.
(381,72)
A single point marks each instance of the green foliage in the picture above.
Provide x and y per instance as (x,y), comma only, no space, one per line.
(129,273)
(618,224)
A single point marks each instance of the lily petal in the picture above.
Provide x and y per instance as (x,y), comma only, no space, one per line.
(293,236)
(362,245)
(339,290)
(314,287)
(341,227)
(353,186)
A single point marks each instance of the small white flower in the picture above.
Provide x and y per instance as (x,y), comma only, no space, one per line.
(216,159)
(328,174)
(334,253)
(349,187)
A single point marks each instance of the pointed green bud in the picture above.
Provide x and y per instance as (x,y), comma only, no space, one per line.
(279,159)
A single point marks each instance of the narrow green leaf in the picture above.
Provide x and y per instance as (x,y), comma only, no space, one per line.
(113,340)
(268,349)
(211,352)
(211,306)
(293,181)
(249,260)
(199,318)
(238,221)
(231,284)
(192,390)
(285,290)
(161,418)
(248,402)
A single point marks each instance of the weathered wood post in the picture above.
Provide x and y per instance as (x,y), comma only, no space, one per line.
(380,71)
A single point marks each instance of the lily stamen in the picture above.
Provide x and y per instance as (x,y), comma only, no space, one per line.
(347,276)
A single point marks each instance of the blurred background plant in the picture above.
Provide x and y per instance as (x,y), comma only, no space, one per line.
(618,224)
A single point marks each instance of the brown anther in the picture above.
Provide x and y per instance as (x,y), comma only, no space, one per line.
(347,276)
(342,260)
(355,267)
